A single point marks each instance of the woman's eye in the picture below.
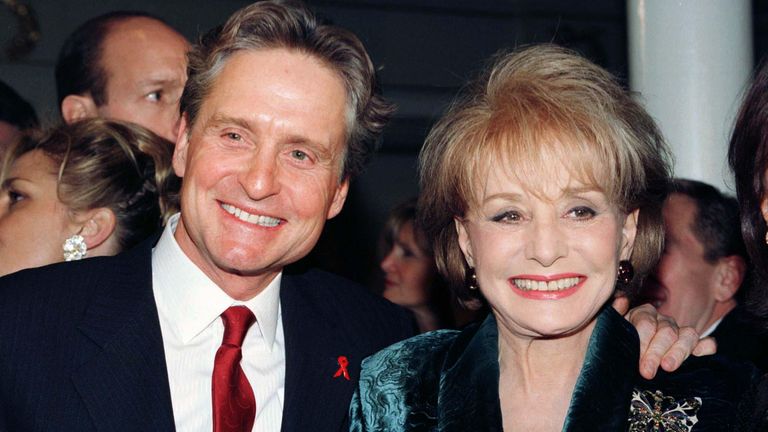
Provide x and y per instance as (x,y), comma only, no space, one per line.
(582,213)
(14,197)
(507,216)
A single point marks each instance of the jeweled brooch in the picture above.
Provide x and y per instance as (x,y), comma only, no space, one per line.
(651,411)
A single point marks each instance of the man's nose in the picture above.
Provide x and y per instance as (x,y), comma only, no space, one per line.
(260,177)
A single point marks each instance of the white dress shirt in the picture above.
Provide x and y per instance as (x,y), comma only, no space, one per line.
(190,305)
(712,328)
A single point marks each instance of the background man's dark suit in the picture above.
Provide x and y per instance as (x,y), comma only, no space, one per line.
(741,337)
(81,347)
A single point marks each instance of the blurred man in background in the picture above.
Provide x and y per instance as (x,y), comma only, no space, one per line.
(700,277)
(127,66)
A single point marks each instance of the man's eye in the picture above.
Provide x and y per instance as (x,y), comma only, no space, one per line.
(234,136)
(300,155)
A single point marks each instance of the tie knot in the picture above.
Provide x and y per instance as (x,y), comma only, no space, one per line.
(237,321)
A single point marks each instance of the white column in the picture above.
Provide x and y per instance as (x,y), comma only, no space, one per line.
(690,61)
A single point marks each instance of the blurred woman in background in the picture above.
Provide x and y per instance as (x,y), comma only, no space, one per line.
(92,188)
(411,279)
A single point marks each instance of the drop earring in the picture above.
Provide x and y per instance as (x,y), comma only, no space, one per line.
(626,272)
(472,279)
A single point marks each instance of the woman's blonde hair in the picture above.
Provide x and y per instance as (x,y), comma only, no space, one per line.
(110,164)
(534,106)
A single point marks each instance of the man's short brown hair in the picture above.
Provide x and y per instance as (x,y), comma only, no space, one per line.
(290,25)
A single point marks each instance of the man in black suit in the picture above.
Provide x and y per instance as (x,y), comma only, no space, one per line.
(700,279)
(278,114)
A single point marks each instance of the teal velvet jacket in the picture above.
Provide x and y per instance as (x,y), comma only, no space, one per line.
(449,381)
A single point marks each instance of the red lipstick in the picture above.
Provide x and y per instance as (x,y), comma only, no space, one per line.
(547,295)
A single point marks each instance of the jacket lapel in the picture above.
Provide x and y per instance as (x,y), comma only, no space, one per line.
(603,392)
(314,398)
(469,392)
(125,386)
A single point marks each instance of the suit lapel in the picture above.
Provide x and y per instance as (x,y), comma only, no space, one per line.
(314,399)
(125,386)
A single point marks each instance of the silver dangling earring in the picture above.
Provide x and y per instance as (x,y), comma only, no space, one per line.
(472,279)
(75,248)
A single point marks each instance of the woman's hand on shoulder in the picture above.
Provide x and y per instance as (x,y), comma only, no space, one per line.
(662,342)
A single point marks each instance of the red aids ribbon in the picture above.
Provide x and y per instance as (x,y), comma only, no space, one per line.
(343,363)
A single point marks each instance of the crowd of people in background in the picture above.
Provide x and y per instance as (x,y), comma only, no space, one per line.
(144,234)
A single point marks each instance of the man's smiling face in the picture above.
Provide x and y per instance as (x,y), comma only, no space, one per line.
(261,164)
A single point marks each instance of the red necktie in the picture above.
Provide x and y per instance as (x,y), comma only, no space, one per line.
(234,406)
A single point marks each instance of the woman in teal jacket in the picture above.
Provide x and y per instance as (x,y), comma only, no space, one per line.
(542,191)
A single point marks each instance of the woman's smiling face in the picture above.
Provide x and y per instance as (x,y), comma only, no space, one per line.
(546,252)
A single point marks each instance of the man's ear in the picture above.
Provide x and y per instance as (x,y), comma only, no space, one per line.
(78,107)
(339,197)
(628,234)
(97,227)
(182,146)
(730,276)
(464,241)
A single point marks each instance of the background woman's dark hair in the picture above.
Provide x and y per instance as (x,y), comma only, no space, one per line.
(440,296)
(400,215)
(110,164)
(748,159)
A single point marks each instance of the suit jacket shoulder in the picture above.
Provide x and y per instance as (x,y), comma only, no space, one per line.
(330,325)
(741,337)
(353,307)
(81,348)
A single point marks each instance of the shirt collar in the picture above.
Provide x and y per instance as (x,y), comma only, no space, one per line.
(192,301)
(712,328)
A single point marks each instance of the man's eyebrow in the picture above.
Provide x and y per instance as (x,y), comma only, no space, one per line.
(159,81)
(223,119)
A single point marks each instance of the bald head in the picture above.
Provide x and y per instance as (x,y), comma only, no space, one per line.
(124,65)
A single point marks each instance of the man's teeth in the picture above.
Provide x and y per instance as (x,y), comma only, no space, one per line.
(555,285)
(251,218)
